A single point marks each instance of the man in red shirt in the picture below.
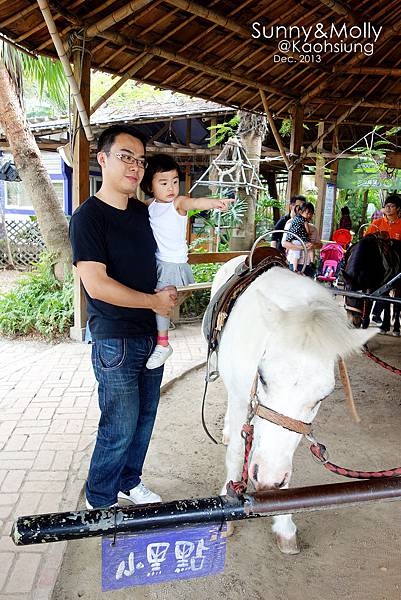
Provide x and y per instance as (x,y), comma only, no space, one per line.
(391,222)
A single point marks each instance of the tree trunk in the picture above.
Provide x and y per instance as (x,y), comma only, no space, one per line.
(251,130)
(364,206)
(35,179)
(273,193)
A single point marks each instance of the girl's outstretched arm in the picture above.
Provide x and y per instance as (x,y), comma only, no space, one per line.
(185,203)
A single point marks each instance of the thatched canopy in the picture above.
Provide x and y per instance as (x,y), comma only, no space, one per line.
(206,49)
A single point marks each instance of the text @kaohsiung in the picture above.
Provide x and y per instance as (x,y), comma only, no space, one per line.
(309,44)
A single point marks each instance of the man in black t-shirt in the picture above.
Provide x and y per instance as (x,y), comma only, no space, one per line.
(277,237)
(114,253)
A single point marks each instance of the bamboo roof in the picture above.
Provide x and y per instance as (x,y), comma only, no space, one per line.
(206,49)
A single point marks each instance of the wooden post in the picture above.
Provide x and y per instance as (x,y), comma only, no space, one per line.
(273,128)
(297,131)
(320,181)
(80,178)
(188,179)
(334,171)
(213,173)
(272,187)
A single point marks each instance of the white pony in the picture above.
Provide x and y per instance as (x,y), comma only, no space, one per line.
(290,330)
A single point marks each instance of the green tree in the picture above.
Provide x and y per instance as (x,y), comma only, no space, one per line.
(35,179)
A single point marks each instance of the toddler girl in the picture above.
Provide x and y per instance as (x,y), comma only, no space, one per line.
(300,226)
(168,215)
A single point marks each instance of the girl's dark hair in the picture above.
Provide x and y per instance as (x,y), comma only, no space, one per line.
(307,206)
(158,163)
(345,210)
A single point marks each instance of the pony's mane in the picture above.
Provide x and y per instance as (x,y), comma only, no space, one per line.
(305,314)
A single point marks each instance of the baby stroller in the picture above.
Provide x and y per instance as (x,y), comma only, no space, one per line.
(331,256)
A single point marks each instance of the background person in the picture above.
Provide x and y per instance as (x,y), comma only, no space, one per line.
(314,244)
(300,226)
(276,238)
(345,221)
(389,224)
(114,252)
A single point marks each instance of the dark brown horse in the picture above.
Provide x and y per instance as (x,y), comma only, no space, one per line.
(369,264)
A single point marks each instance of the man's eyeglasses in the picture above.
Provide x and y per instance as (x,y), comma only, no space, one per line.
(128,159)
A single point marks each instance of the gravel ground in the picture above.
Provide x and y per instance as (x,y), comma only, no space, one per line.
(351,553)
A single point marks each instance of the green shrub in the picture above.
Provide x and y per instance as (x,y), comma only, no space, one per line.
(38,303)
(196,304)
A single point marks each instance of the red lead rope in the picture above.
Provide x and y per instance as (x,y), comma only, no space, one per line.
(236,488)
(381,362)
(319,450)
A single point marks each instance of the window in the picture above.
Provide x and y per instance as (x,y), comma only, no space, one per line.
(16,197)
(95,184)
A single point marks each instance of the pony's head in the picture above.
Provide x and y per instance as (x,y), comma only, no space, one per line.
(306,333)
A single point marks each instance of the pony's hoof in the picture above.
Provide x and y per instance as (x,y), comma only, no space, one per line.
(230,528)
(225,440)
(288,545)
(396,334)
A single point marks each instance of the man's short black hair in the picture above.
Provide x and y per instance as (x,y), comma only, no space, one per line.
(393,199)
(108,136)
(293,199)
(158,163)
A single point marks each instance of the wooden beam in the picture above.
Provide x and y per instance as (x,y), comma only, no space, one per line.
(213,257)
(330,129)
(17,46)
(297,133)
(273,127)
(178,58)
(80,180)
(391,30)
(339,8)
(319,179)
(143,59)
(351,101)
(388,72)
(116,16)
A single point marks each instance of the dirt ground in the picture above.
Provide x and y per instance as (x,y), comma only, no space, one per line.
(8,278)
(351,553)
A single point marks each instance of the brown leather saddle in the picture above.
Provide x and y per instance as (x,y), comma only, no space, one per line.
(221,304)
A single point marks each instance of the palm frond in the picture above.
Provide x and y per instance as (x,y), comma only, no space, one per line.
(49,76)
(47,73)
(11,59)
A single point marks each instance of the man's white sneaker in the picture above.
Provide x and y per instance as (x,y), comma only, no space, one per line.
(90,507)
(140,495)
(159,356)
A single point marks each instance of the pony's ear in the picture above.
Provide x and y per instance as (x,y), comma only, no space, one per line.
(356,339)
(269,310)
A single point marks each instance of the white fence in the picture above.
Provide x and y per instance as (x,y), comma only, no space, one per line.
(20,244)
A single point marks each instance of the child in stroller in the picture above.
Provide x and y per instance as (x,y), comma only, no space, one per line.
(331,256)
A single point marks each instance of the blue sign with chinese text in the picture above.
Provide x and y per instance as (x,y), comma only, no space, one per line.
(154,557)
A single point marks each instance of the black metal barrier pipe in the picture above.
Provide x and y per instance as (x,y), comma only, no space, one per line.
(361,296)
(56,527)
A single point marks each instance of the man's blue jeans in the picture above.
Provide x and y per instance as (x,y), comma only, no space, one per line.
(128,399)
